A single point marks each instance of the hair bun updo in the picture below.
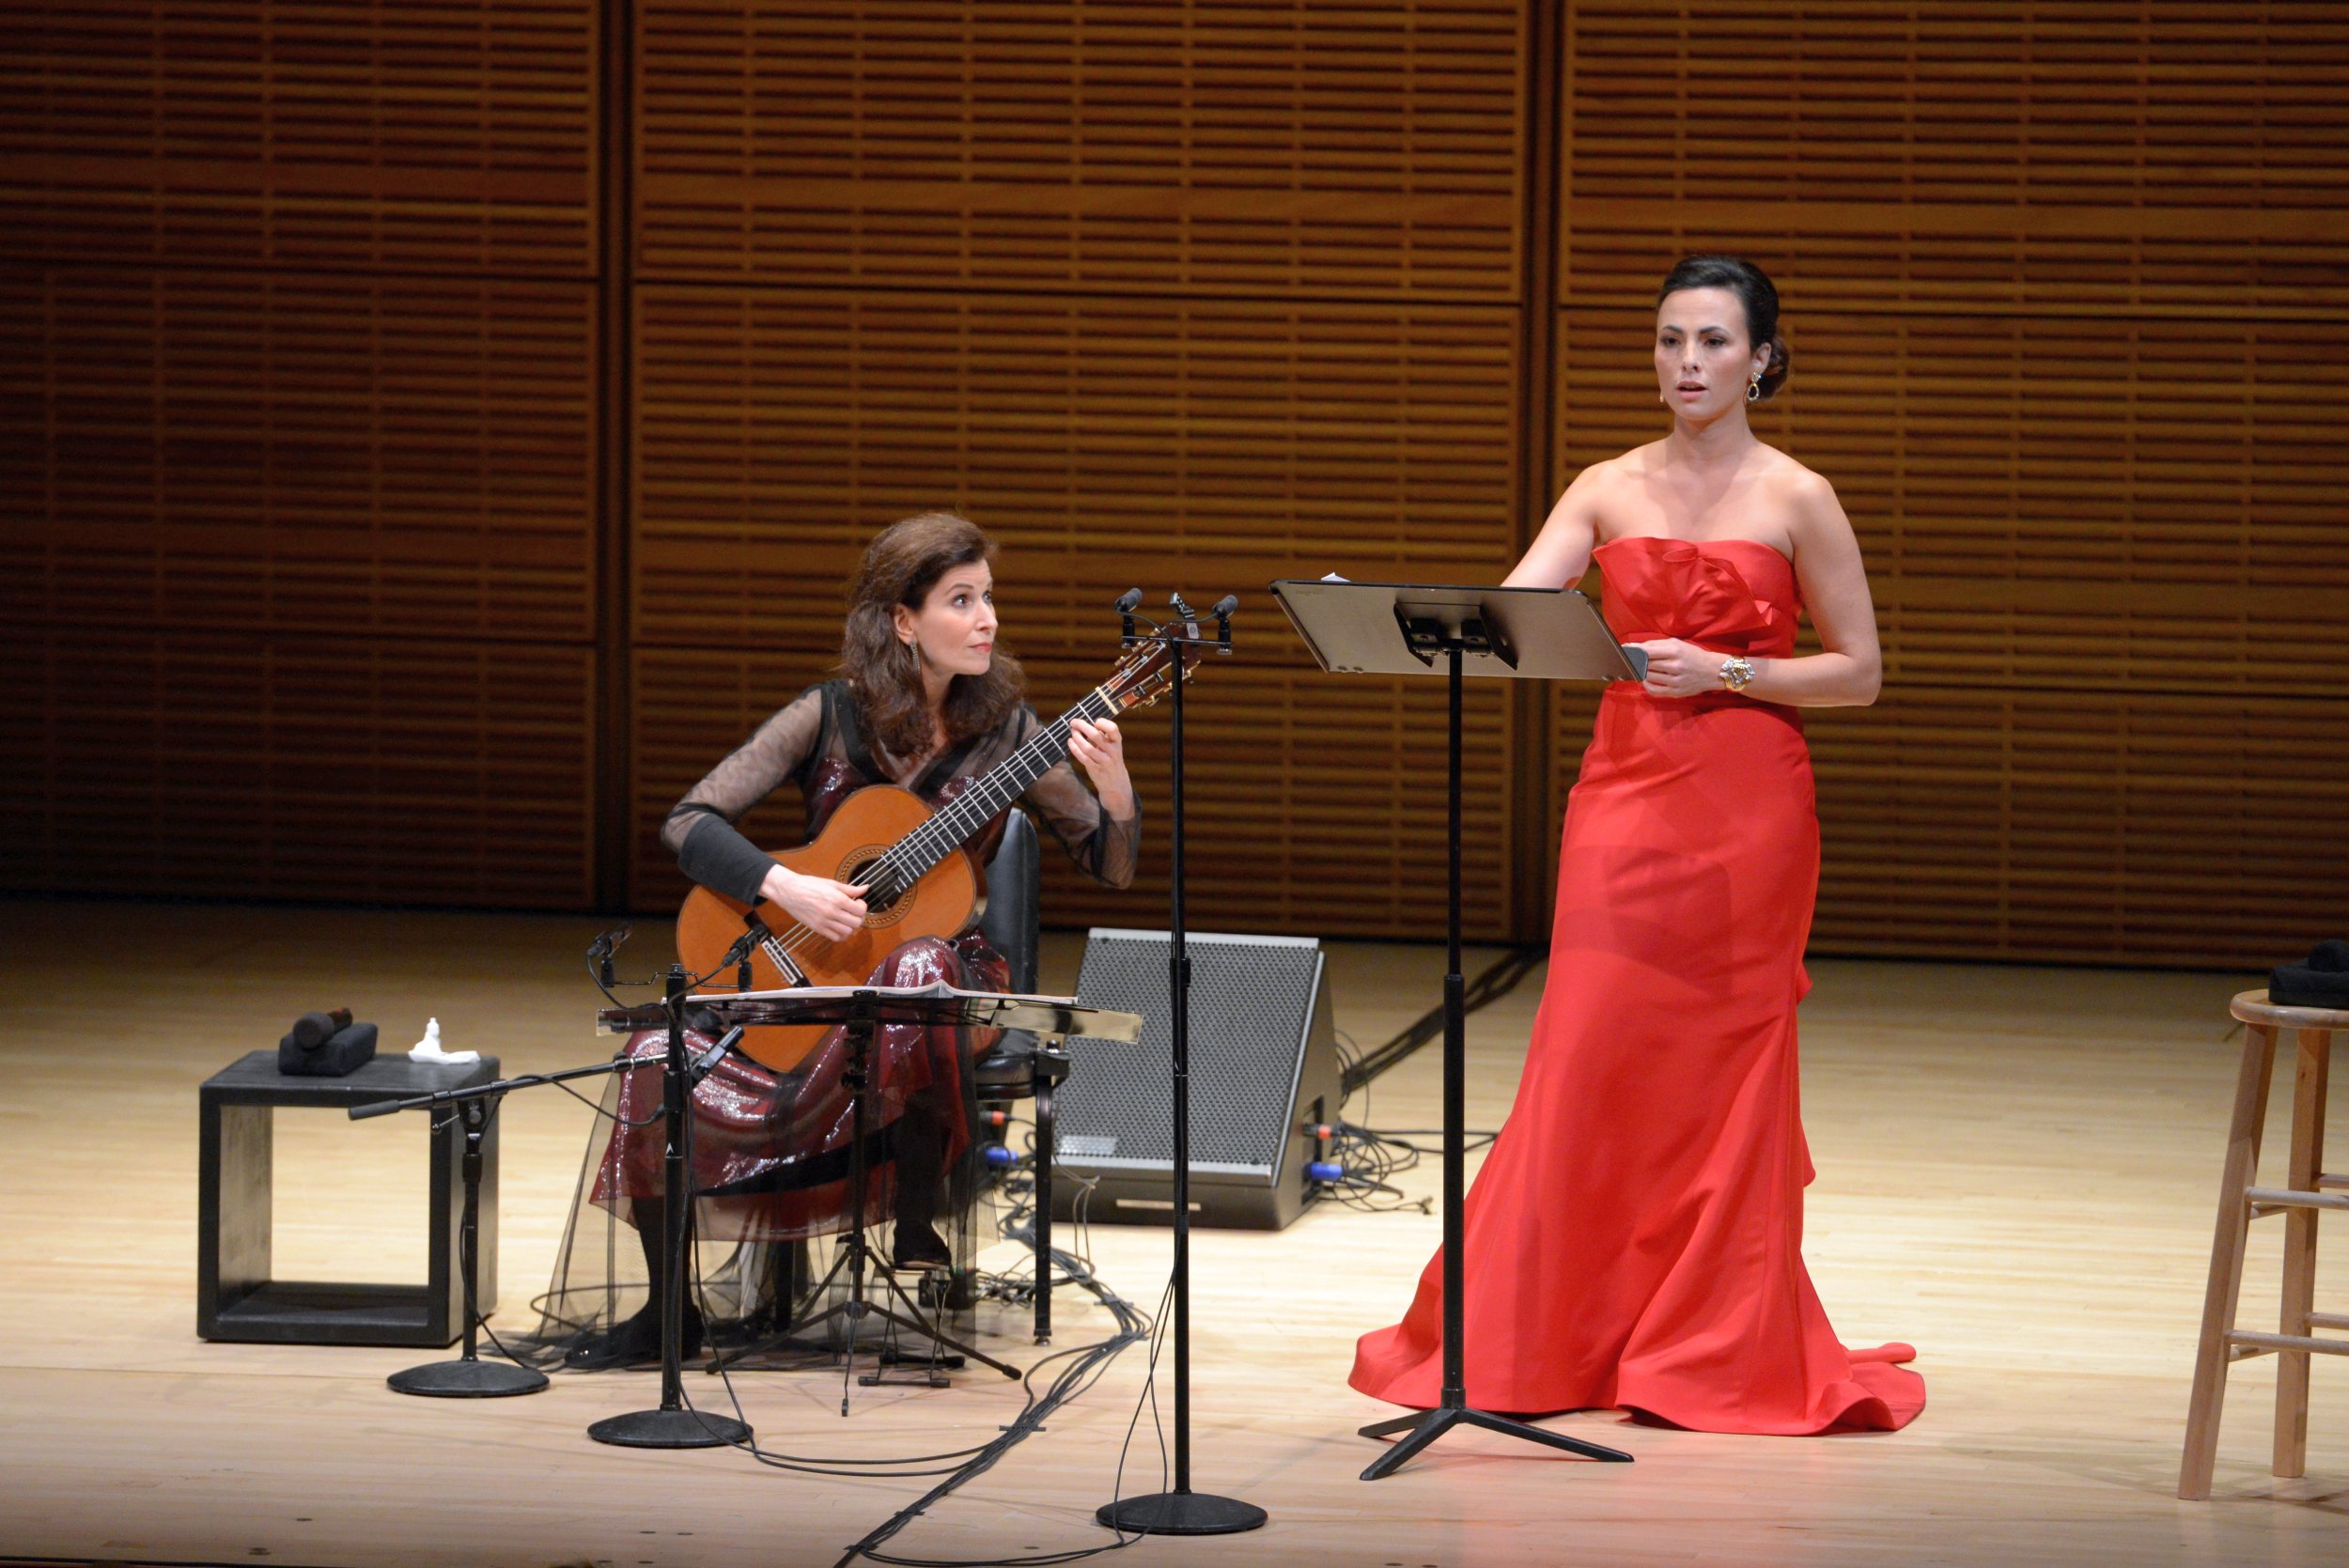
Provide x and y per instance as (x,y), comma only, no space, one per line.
(1754,289)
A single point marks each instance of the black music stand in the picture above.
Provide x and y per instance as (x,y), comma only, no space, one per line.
(1399,629)
(864,1009)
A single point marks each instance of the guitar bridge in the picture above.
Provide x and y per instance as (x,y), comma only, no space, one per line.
(791,972)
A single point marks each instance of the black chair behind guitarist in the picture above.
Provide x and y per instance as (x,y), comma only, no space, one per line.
(926,702)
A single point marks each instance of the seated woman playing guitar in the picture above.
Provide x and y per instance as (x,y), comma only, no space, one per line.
(926,701)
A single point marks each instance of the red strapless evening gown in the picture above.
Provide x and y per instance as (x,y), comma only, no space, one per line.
(1635,1239)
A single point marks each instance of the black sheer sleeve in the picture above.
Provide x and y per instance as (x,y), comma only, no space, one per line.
(700,830)
(1104,846)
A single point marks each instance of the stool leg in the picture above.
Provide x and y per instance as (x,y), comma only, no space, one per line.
(2226,1263)
(2307,1159)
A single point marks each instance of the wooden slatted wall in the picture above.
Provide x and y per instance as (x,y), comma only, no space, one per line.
(310,324)
(2064,293)
(297,370)
(1176,296)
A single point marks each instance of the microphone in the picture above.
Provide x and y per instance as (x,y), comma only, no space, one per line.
(744,945)
(599,953)
(711,1058)
(1126,600)
(1224,606)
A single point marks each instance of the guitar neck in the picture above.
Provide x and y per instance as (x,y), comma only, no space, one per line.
(961,818)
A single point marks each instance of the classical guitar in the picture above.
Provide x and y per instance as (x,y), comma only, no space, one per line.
(920,878)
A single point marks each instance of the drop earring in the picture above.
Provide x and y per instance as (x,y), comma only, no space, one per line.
(1754,389)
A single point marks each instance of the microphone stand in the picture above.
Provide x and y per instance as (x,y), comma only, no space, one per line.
(1182,1511)
(469,1376)
(672,1425)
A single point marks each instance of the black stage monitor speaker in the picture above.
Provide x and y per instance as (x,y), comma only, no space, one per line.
(1264,1069)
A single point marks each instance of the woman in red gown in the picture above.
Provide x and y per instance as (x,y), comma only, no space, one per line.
(1634,1239)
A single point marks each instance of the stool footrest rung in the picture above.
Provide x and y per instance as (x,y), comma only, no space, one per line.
(2243,1343)
(2328,1319)
(2332,1184)
(2273,1198)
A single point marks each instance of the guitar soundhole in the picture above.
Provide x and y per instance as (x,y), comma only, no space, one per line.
(879,915)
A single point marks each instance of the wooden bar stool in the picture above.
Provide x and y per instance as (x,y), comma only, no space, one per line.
(2308,1192)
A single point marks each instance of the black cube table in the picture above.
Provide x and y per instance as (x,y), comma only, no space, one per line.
(235,1296)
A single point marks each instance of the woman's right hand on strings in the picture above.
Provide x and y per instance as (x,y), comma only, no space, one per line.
(832,910)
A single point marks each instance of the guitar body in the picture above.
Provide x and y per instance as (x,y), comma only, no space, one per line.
(886,820)
(863,828)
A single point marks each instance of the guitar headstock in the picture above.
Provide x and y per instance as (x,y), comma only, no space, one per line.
(1147,669)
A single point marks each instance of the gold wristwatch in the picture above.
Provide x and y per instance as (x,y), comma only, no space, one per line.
(1737,672)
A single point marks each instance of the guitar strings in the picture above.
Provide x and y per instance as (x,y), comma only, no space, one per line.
(962,814)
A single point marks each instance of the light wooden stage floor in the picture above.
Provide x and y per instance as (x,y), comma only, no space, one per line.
(2016,1173)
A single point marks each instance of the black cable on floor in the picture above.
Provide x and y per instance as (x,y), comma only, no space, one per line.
(1496,981)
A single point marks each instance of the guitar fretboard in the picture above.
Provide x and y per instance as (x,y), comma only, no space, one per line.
(961,818)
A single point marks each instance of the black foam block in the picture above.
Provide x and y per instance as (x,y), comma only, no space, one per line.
(344,1051)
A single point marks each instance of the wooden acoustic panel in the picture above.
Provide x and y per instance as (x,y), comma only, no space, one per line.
(1205,446)
(2063,293)
(2047,826)
(1316,802)
(412,135)
(335,457)
(1284,148)
(2049,502)
(1317,805)
(2092,570)
(2105,827)
(1201,445)
(691,707)
(326,768)
(2161,157)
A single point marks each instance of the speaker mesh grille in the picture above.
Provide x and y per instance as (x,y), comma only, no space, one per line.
(1249,1001)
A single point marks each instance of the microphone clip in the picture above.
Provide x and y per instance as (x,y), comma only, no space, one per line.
(600,952)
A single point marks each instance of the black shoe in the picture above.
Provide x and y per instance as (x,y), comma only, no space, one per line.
(920,1246)
(634,1341)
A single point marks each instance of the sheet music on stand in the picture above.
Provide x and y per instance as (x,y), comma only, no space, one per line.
(935,1003)
(1404,629)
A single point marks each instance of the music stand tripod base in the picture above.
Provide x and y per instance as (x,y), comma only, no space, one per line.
(1179,1513)
(1428,1425)
(468,1380)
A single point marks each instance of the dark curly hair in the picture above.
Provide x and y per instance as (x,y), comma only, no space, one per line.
(901,565)
(1760,296)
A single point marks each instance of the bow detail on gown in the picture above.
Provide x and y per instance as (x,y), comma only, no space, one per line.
(1694,591)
